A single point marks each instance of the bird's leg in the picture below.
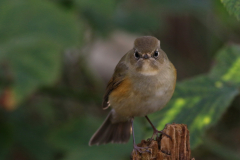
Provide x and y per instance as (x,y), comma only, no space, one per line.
(155,131)
(135,147)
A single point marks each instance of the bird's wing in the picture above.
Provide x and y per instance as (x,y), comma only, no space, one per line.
(117,78)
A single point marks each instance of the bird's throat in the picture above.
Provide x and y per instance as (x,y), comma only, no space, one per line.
(148,70)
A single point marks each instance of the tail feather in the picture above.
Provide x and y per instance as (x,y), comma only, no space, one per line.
(111,132)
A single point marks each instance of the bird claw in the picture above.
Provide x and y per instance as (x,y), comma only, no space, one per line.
(155,132)
(139,149)
(165,134)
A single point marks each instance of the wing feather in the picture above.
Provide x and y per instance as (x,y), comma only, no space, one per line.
(118,77)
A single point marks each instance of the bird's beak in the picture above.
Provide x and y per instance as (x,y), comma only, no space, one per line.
(146,56)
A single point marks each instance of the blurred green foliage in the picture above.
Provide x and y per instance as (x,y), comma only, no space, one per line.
(31,43)
(55,98)
(233,6)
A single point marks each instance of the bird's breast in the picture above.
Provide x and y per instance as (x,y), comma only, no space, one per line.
(139,96)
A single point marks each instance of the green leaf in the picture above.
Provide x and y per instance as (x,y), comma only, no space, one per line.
(20,18)
(227,65)
(34,63)
(200,102)
(33,34)
(233,7)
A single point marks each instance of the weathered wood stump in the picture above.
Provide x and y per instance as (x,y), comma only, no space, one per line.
(164,148)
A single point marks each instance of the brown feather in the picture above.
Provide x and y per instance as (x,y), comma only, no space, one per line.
(146,44)
(117,78)
(112,132)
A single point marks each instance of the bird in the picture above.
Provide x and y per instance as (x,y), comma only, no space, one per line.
(143,82)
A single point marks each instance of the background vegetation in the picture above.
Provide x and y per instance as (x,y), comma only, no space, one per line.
(50,98)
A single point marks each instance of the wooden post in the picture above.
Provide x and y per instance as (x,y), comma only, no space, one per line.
(164,148)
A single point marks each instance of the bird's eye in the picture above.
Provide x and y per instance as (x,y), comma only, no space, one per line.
(137,55)
(156,54)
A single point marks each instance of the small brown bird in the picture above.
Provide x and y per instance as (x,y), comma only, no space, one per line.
(143,82)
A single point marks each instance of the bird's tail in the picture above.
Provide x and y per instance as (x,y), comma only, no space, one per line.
(112,132)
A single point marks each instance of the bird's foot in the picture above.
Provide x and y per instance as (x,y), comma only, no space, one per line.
(155,133)
(141,149)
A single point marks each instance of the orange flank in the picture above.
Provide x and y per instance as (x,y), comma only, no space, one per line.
(122,90)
